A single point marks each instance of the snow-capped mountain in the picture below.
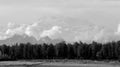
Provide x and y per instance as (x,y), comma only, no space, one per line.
(25,39)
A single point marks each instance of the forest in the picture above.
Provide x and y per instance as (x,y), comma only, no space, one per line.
(62,50)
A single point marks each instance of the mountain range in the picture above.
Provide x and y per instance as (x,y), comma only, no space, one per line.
(28,39)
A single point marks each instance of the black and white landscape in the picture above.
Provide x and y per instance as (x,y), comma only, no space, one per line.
(59,33)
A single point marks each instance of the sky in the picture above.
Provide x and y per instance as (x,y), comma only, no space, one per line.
(72,20)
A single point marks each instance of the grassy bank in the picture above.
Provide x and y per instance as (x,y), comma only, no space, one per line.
(59,63)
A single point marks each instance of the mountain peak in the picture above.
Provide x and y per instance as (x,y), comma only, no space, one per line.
(25,39)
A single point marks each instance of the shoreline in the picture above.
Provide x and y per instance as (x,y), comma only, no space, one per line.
(58,62)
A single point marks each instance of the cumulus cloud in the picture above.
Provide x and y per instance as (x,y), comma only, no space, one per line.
(33,30)
(28,29)
(108,36)
(13,29)
(55,30)
(99,35)
(11,25)
(92,33)
(2,36)
(36,30)
(118,30)
(68,32)
(19,30)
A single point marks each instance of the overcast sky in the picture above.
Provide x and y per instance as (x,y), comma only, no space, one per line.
(81,19)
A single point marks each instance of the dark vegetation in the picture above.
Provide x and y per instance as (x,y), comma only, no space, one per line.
(63,50)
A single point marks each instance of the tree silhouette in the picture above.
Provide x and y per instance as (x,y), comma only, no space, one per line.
(62,50)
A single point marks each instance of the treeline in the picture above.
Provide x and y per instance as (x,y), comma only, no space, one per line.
(63,50)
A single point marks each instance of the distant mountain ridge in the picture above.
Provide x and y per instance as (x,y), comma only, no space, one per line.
(28,39)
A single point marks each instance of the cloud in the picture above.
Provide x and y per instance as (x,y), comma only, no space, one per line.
(36,30)
(99,35)
(108,36)
(92,33)
(11,25)
(55,30)
(70,32)
(33,30)
(13,29)
(28,29)
(18,30)
(118,30)
(2,36)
